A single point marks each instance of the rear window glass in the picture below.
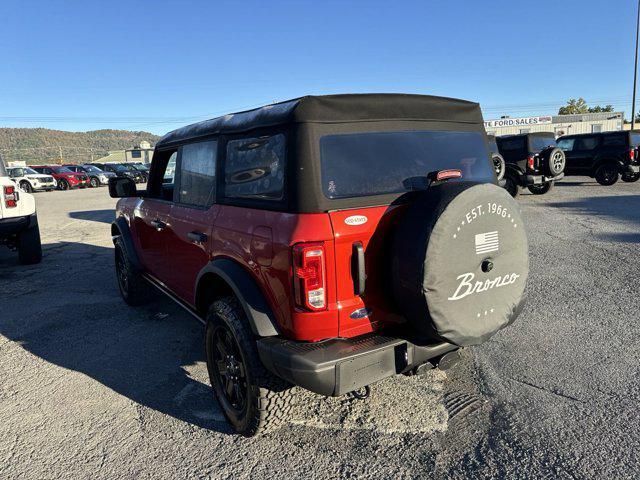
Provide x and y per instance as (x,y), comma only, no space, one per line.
(254,168)
(375,163)
(635,139)
(540,143)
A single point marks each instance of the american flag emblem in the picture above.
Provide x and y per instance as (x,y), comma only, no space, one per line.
(487,242)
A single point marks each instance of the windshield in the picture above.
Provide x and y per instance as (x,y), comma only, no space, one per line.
(142,168)
(91,169)
(375,163)
(61,170)
(540,143)
(119,168)
(29,171)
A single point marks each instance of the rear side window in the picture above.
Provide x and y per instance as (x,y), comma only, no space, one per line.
(566,144)
(586,143)
(254,168)
(375,163)
(197,174)
(537,143)
(512,144)
(614,140)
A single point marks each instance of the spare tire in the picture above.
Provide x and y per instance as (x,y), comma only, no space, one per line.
(554,161)
(460,262)
(499,165)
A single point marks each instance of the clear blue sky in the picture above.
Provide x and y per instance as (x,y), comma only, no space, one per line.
(156,65)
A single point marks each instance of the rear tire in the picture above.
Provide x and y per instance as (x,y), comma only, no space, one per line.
(133,287)
(511,186)
(26,186)
(607,174)
(540,189)
(252,399)
(630,177)
(30,246)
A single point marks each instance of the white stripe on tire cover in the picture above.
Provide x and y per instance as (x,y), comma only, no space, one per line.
(467,305)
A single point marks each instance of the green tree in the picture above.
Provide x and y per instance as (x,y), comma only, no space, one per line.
(599,109)
(574,107)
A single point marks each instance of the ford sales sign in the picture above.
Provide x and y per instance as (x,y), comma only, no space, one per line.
(517,122)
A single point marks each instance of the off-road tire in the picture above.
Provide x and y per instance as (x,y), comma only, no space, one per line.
(94,182)
(607,174)
(630,177)
(540,189)
(26,186)
(511,186)
(499,165)
(29,246)
(268,399)
(135,290)
(63,184)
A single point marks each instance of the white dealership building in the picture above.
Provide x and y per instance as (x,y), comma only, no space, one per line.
(558,124)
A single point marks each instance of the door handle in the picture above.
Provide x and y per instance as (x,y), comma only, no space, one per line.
(158,225)
(197,237)
(357,268)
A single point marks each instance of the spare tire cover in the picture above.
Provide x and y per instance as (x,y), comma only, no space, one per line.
(460,262)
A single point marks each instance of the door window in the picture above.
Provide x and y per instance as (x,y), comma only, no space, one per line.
(254,168)
(586,143)
(197,174)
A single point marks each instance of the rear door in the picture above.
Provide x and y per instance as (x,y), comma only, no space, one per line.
(583,154)
(566,145)
(192,216)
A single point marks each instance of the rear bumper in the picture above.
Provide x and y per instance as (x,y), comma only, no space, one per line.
(540,179)
(14,225)
(631,169)
(338,366)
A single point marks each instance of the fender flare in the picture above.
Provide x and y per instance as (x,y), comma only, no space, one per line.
(246,290)
(120,227)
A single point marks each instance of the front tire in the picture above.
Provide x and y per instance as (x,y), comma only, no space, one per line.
(630,177)
(540,189)
(63,184)
(133,287)
(94,183)
(29,246)
(252,399)
(607,174)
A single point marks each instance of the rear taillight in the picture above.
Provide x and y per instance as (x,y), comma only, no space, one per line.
(632,154)
(11,197)
(531,161)
(309,276)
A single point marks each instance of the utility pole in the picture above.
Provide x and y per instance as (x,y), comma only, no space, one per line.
(635,73)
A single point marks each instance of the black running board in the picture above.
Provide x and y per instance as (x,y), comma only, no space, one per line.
(164,289)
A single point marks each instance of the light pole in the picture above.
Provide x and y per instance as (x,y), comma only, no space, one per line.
(635,73)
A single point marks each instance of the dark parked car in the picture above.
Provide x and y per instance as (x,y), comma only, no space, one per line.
(326,242)
(533,161)
(604,156)
(121,170)
(96,176)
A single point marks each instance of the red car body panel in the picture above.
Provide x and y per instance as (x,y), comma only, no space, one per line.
(73,178)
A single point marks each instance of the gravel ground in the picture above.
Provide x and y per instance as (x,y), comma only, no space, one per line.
(90,388)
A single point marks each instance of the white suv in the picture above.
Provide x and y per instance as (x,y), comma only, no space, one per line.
(18,220)
(31,181)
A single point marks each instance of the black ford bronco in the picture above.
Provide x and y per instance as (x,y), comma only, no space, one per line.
(533,161)
(327,242)
(604,156)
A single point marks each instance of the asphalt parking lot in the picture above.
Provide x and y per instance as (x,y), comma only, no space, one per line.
(90,388)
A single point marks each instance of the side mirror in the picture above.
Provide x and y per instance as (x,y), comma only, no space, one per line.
(122,187)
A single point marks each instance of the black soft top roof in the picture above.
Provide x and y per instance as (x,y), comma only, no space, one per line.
(530,134)
(335,109)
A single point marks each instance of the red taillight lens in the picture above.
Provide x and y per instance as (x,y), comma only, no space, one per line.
(309,276)
(632,154)
(10,197)
(531,160)
(445,174)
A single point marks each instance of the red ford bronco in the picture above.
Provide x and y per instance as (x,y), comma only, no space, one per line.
(326,242)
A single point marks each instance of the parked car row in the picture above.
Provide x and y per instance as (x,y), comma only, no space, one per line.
(38,178)
(537,160)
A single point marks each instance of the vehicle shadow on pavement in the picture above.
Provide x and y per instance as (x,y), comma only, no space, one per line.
(68,311)
(622,208)
(101,216)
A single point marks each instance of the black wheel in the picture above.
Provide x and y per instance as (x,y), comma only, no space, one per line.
(607,174)
(133,288)
(29,246)
(252,399)
(499,165)
(26,186)
(540,189)
(94,182)
(511,186)
(63,184)
(630,177)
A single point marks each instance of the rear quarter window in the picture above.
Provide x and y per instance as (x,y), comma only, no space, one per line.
(614,140)
(376,163)
(255,168)
(512,144)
